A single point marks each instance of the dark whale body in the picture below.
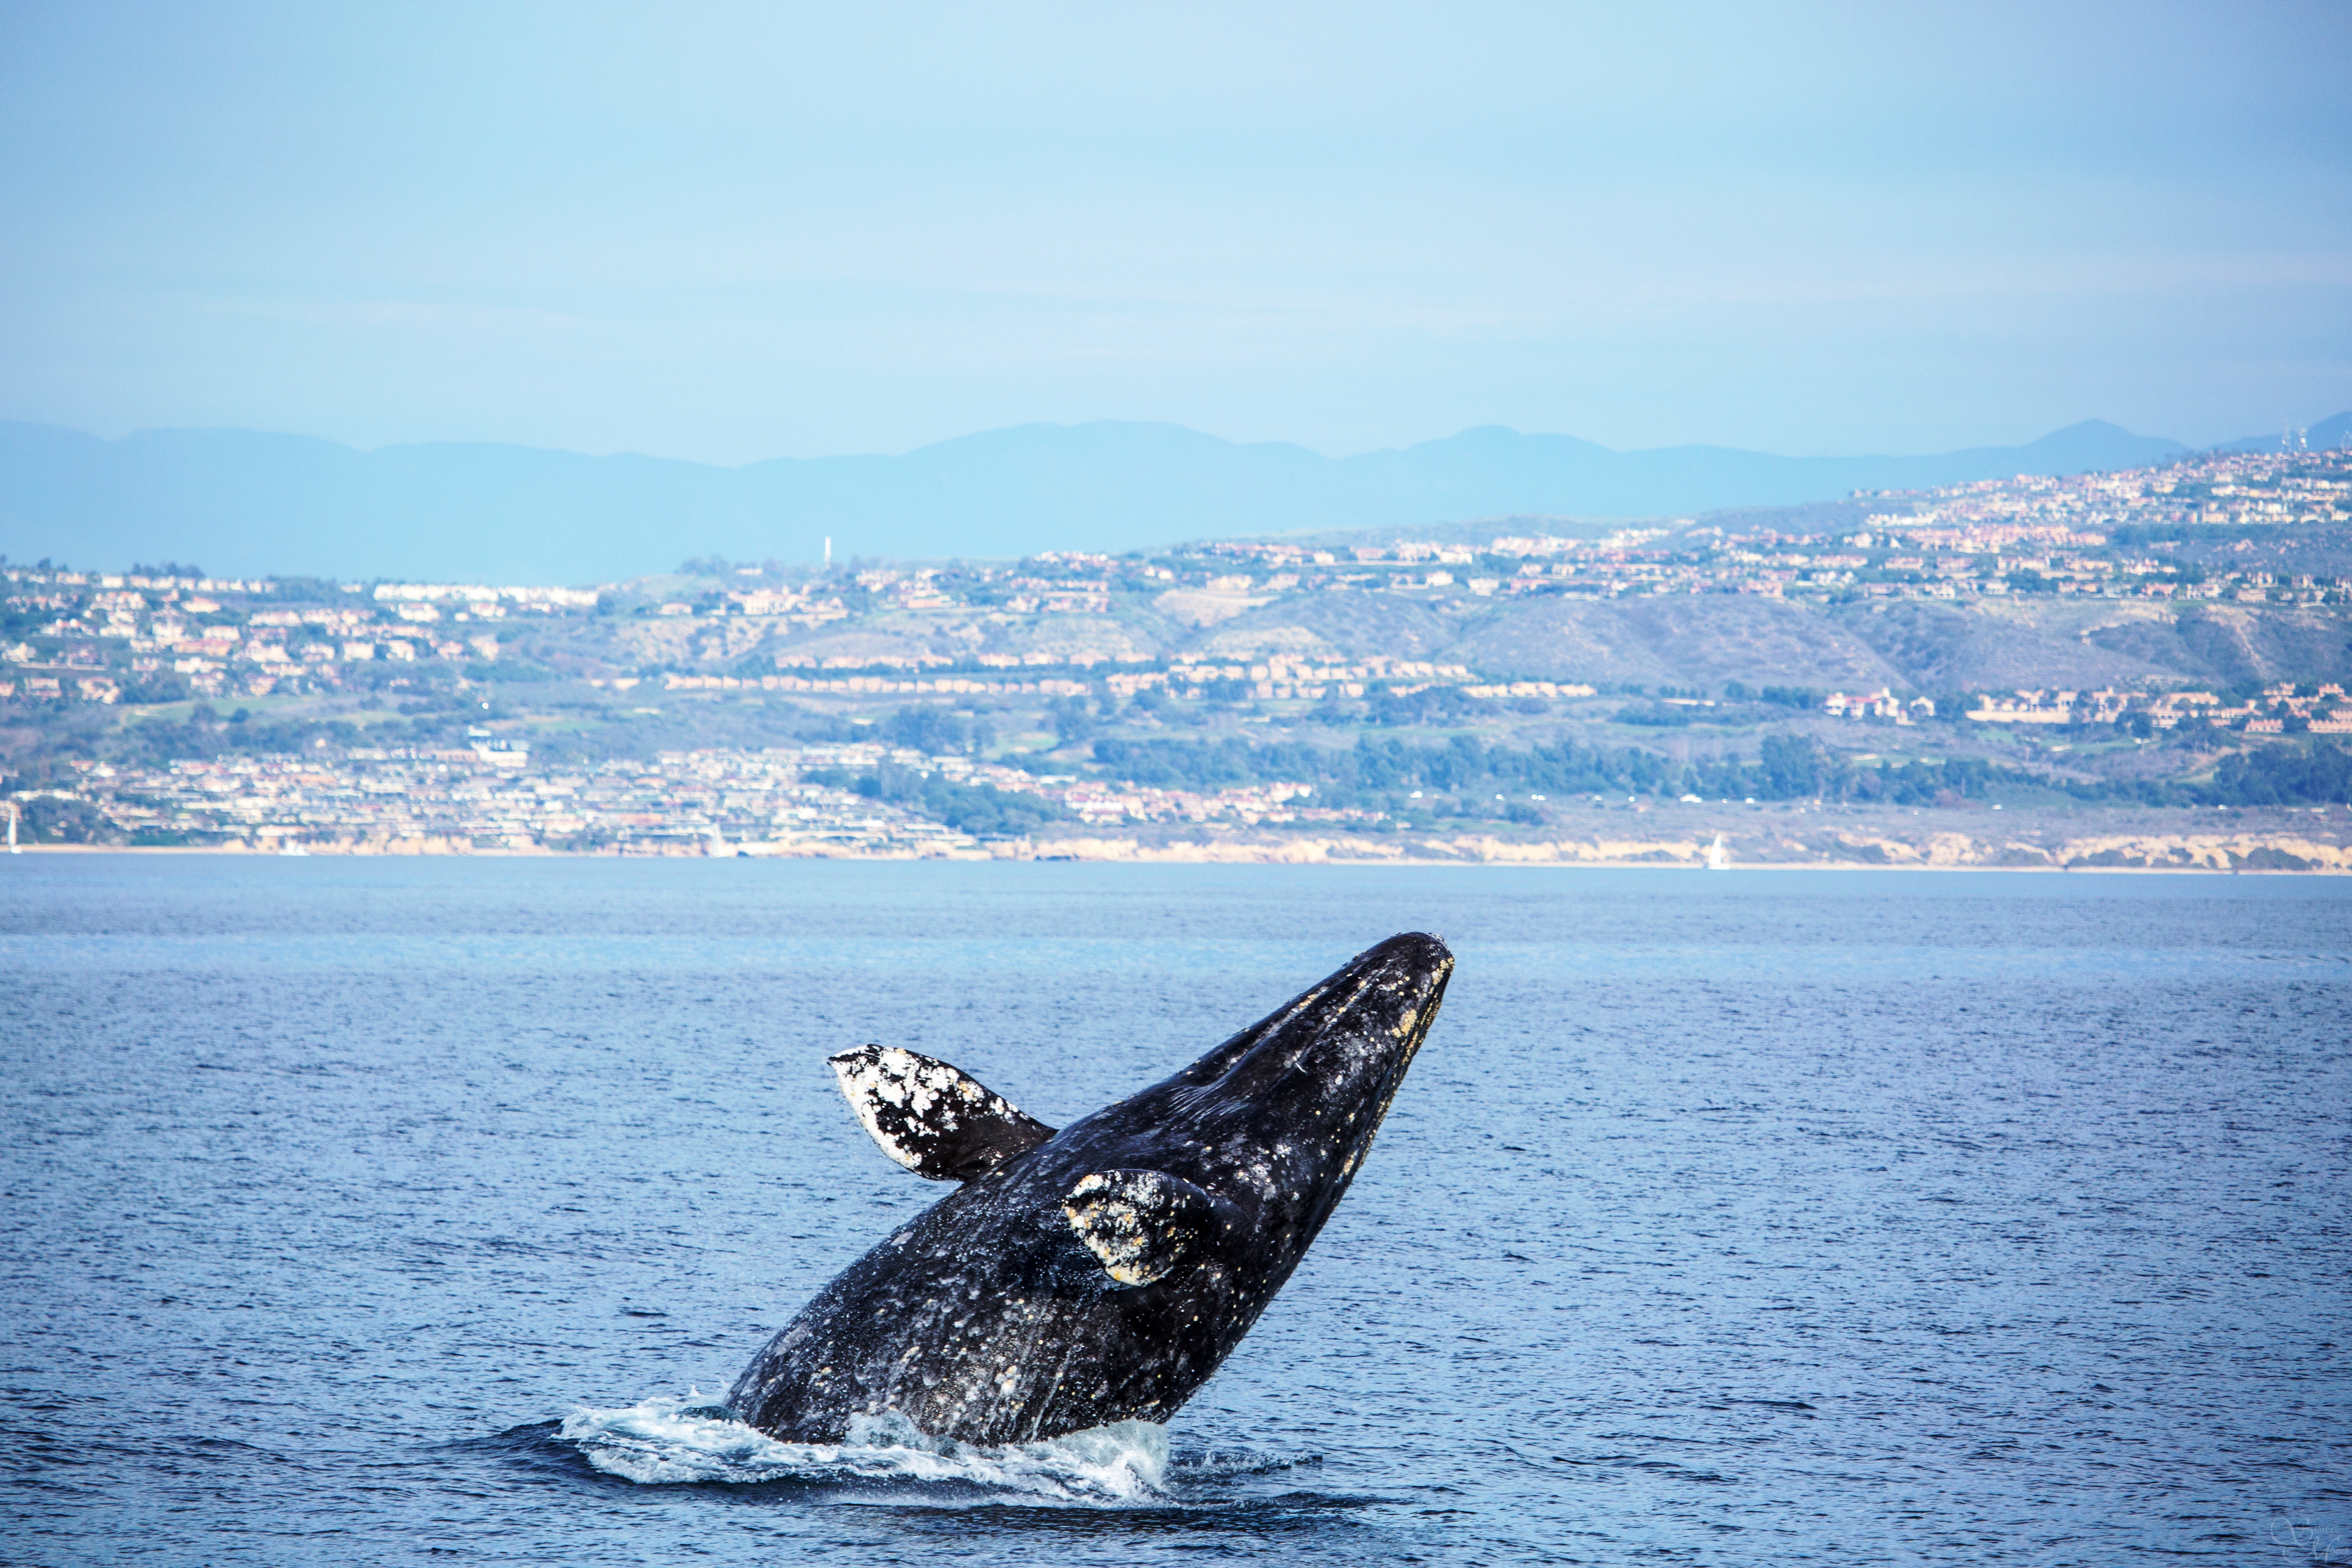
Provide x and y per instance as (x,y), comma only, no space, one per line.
(1102,1272)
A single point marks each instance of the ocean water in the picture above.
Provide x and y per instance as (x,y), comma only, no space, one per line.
(376,1211)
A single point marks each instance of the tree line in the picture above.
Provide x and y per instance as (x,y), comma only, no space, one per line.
(1384,770)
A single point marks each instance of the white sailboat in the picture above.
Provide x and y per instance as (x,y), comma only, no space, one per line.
(1717,857)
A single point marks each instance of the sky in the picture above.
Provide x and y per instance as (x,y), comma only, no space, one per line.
(728,233)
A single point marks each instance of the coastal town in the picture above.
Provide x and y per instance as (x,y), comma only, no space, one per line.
(732,708)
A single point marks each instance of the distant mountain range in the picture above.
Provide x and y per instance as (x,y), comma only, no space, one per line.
(244,503)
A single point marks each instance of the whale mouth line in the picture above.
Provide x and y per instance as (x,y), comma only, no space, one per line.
(694,1441)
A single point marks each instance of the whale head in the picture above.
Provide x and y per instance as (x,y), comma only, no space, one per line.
(1278,1119)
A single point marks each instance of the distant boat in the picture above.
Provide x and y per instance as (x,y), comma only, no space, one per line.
(1717,857)
(291,849)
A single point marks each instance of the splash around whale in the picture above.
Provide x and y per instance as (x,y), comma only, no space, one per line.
(1101,1274)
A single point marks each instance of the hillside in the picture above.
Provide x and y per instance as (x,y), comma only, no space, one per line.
(1700,641)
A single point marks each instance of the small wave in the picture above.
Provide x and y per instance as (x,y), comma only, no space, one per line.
(670,1442)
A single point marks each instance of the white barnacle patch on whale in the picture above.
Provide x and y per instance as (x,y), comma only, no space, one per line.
(1141,1224)
(934,1119)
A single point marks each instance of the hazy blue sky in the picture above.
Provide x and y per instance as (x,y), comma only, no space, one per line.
(738,233)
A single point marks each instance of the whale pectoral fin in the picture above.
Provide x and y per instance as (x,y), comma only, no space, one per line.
(1142,1223)
(936,1120)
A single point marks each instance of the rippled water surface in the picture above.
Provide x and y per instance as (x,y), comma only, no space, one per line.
(364,1211)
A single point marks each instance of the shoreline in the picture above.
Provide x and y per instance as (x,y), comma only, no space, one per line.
(1271,857)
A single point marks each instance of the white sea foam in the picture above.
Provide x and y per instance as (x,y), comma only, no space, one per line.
(672,1441)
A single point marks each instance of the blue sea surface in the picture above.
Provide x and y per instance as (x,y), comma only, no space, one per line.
(371,1211)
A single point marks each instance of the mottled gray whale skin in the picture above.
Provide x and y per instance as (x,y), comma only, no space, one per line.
(1102,1272)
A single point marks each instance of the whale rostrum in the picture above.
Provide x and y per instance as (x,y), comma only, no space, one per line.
(1103,1271)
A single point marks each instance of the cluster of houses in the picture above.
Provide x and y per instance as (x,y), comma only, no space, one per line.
(1880,703)
(247,645)
(485,797)
(872,685)
(2320,710)
(2280,707)
(2246,489)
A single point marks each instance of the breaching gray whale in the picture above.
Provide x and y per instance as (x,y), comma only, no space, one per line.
(1102,1272)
